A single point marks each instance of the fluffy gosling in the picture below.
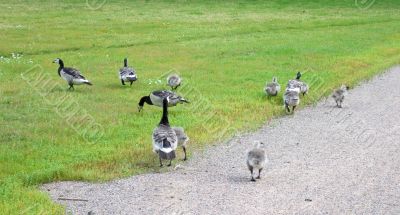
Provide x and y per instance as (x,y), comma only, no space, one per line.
(273,88)
(256,160)
(338,95)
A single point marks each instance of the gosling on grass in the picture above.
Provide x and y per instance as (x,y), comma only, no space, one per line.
(256,159)
(291,98)
(273,88)
(164,137)
(338,95)
(182,138)
(71,75)
(174,81)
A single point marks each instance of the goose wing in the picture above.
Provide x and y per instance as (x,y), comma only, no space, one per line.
(126,71)
(164,137)
(74,73)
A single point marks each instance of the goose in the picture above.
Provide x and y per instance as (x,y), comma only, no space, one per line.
(291,98)
(71,75)
(164,137)
(127,73)
(338,95)
(256,159)
(273,88)
(296,83)
(174,81)
(156,98)
(182,138)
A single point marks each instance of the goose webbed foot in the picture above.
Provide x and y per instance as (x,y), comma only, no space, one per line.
(123,82)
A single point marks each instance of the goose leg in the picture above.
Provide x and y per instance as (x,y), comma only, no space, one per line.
(252,176)
(71,86)
(293,108)
(131,83)
(170,162)
(287,108)
(123,82)
(184,151)
(160,162)
(259,174)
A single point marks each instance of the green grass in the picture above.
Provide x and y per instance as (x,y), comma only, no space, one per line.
(225,51)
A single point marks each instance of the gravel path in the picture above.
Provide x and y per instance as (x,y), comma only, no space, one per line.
(322,160)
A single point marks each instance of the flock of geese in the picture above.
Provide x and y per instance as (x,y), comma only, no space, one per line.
(166,139)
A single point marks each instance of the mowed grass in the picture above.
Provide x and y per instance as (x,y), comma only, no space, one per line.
(225,51)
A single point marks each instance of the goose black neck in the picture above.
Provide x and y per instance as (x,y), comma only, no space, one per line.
(164,119)
(61,63)
(145,99)
(125,62)
(298,76)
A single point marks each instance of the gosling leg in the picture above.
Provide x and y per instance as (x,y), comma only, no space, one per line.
(252,176)
(259,174)
(161,165)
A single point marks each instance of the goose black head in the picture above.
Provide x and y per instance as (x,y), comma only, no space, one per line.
(144,99)
(59,61)
(298,76)
(125,62)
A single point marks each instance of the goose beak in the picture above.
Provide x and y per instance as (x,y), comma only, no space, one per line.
(184,100)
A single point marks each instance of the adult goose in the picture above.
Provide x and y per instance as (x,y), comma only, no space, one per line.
(71,75)
(296,83)
(156,98)
(174,81)
(273,88)
(165,140)
(127,73)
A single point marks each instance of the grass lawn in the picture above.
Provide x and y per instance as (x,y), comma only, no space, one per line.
(224,50)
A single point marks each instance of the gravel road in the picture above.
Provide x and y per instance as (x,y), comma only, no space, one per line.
(322,160)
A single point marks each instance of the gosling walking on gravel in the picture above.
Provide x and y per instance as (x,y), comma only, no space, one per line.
(338,95)
(256,159)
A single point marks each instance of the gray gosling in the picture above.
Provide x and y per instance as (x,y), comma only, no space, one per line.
(256,159)
(291,98)
(182,138)
(174,81)
(338,95)
(273,88)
